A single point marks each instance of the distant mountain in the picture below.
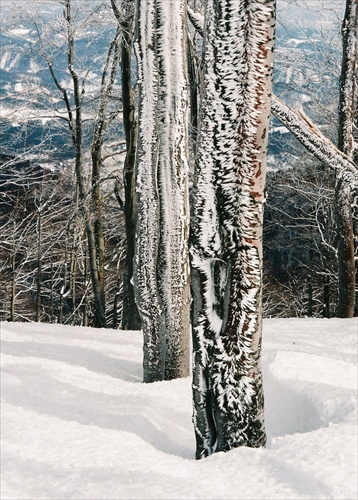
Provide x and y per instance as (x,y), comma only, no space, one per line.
(29,96)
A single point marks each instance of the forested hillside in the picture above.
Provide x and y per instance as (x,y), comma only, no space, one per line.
(300,242)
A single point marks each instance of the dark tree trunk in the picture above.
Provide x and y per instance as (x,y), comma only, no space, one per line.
(326,298)
(346,264)
(39,267)
(97,211)
(13,286)
(343,198)
(194,94)
(130,315)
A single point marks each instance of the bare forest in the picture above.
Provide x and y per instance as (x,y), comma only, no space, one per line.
(184,168)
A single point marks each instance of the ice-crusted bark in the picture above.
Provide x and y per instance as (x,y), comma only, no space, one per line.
(148,208)
(161,262)
(348,80)
(226,238)
(173,258)
(313,139)
(343,198)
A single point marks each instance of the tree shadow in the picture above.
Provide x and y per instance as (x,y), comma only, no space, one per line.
(135,408)
(91,359)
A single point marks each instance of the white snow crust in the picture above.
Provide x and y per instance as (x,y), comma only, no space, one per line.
(77,423)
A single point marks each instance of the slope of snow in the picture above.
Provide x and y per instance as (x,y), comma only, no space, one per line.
(77,423)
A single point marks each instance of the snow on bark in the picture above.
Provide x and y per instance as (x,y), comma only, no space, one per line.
(343,198)
(313,139)
(173,258)
(197,20)
(348,80)
(161,262)
(147,240)
(226,235)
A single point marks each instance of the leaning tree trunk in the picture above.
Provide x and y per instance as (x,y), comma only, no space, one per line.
(161,260)
(343,197)
(226,239)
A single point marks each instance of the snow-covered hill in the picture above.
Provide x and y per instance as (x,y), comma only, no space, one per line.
(77,423)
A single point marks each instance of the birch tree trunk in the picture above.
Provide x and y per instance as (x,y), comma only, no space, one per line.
(161,268)
(226,238)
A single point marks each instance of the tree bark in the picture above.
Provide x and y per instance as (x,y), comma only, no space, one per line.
(130,315)
(343,198)
(226,238)
(39,265)
(161,261)
(13,286)
(345,247)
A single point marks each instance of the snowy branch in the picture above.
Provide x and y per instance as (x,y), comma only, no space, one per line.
(312,138)
(197,20)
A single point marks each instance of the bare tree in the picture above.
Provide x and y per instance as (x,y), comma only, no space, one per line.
(73,97)
(125,17)
(300,255)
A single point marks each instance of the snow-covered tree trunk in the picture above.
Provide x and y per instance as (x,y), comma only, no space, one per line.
(226,238)
(347,110)
(312,138)
(348,83)
(161,273)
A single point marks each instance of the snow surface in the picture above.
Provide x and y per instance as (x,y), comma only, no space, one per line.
(77,423)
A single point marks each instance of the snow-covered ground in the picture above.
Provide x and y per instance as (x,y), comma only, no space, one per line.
(77,423)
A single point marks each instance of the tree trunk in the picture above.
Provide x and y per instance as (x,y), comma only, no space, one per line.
(72,276)
(62,291)
(343,198)
(326,298)
(226,239)
(130,315)
(97,211)
(194,94)
(172,178)
(161,262)
(85,299)
(346,264)
(39,266)
(52,294)
(13,286)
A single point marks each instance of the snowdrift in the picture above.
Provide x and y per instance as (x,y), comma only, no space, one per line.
(77,423)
